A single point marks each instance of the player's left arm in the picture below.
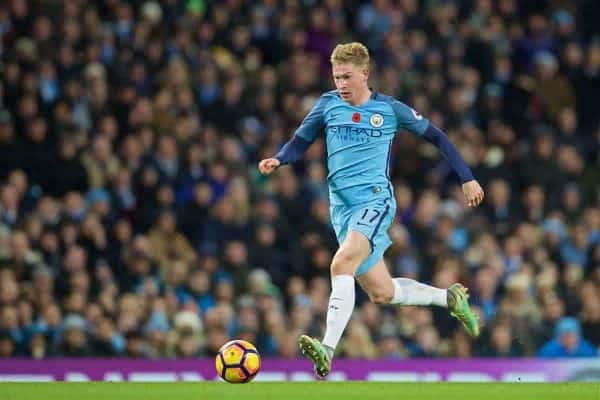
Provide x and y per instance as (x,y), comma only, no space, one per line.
(415,123)
(471,188)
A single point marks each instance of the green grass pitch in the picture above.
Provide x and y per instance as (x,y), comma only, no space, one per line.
(298,390)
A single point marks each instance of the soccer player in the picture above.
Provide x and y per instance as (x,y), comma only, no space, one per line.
(359,125)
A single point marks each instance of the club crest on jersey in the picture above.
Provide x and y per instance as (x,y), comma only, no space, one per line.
(376,120)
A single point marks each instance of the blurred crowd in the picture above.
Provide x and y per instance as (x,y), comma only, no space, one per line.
(133,221)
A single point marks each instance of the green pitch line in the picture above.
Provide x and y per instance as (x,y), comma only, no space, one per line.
(298,390)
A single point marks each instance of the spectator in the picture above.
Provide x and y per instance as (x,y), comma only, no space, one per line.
(9,153)
(567,341)
(7,345)
(74,341)
(502,342)
(167,243)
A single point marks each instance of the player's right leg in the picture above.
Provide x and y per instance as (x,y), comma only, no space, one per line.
(354,250)
(382,289)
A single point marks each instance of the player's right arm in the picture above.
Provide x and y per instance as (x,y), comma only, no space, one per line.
(304,136)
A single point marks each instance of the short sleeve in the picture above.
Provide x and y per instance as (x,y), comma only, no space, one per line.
(409,119)
(314,122)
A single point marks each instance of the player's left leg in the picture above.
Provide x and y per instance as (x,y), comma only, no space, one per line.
(383,289)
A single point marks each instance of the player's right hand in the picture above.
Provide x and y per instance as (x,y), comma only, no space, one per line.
(268,165)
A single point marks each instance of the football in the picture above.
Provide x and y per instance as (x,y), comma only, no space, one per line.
(237,361)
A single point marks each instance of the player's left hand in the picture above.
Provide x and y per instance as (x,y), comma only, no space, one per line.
(473,193)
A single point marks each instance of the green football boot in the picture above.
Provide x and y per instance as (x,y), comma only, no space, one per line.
(316,352)
(458,305)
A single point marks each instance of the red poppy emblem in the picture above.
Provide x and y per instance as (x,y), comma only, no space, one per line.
(356,117)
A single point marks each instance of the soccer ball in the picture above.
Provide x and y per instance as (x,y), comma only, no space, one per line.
(237,361)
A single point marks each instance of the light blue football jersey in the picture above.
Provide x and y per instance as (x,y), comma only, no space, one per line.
(359,140)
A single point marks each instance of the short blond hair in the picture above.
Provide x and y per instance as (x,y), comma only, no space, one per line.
(354,52)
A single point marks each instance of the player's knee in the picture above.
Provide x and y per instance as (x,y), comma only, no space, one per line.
(381,296)
(345,263)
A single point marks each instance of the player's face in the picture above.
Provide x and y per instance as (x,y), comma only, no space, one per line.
(350,80)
